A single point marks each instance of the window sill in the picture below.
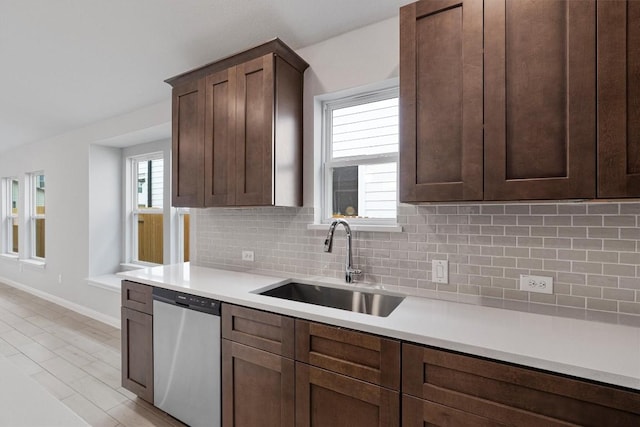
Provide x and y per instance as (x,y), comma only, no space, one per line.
(110,282)
(126,266)
(34,263)
(9,257)
(395,228)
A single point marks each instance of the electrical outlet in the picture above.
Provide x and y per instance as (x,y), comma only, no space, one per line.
(440,271)
(247,256)
(539,284)
(60,278)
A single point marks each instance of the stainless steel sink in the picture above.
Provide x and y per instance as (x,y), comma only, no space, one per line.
(345,299)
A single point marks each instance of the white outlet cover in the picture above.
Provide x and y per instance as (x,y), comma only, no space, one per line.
(440,271)
(537,284)
(247,256)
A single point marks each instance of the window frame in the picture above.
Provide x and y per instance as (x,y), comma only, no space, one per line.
(34,216)
(328,163)
(135,212)
(8,217)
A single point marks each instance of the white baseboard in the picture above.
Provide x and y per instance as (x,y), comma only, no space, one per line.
(96,315)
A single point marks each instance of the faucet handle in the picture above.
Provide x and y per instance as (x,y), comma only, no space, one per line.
(351,274)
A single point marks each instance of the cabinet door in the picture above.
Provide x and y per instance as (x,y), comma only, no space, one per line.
(359,355)
(512,395)
(254,132)
(441,101)
(219,140)
(618,98)
(539,105)
(324,398)
(137,353)
(187,151)
(257,387)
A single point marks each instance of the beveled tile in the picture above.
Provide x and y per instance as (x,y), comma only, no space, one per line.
(15,338)
(63,370)
(131,414)
(74,355)
(26,365)
(49,341)
(56,387)
(37,352)
(105,373)
(89,412)
(98,393)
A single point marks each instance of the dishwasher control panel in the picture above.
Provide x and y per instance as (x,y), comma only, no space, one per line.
(193,302)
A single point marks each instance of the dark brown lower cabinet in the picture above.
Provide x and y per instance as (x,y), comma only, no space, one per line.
(257,387)
(421,413)
(324,398)
(451,389)
(137,353)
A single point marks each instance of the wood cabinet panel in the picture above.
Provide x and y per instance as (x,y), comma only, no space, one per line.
(137,296)
(254,132)
(219,155)
(137,353)
(539,100)
(513,395)
(355,354)
(257,387)
(237,130)
(422,413)
(618,98)
(187,183)
(325,398)
(267,331)
(441,151)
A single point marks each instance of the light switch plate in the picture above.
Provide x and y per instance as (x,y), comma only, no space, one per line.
(440,271)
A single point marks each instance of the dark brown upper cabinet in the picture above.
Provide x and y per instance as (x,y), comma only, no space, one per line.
(187,167)
(539,105)
(441,101)
(558,98)
(237,130)
(618,98)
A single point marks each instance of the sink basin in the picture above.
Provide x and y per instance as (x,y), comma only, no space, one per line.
(345,299)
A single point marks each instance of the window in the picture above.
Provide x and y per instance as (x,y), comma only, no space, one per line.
(10,216)
(360,163)
(37,215)
(183,234)
(148,213)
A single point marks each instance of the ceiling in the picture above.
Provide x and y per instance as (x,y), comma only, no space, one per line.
(68,63)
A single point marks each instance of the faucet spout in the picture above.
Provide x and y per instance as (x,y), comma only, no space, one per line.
(350,272)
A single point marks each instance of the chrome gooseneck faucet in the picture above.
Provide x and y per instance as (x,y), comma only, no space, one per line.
(350,273)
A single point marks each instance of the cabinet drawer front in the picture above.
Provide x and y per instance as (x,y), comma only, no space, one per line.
(137,296)
(267,331)
(325,398)
(420,413)
(505,393)
(356,354)
(257,387)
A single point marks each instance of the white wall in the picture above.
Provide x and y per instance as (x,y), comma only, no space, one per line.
(80,228)
(367,57)
(105,209)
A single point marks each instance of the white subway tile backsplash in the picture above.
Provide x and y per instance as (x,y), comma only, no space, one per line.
(590,249)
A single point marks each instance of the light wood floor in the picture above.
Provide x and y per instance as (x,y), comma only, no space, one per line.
(74,357)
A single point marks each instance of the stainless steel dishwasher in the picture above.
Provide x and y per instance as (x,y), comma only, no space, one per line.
(186,357)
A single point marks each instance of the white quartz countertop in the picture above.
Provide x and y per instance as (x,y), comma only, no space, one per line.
(604,352)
